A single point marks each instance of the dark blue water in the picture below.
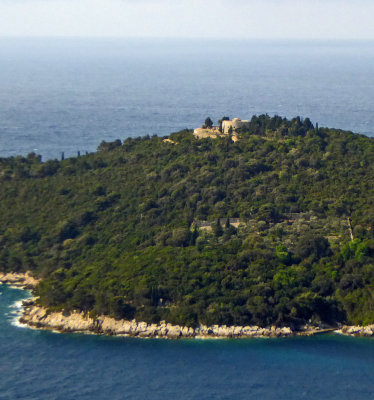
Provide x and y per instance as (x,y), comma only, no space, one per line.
(45,365)
(68,94)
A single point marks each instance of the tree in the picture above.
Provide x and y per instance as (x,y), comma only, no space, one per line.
(217,228)
(208,123)
(180,238)
(283,254)
(223,119)
(312,245)
(227,224)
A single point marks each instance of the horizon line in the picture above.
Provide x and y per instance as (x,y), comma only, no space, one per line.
(191,38)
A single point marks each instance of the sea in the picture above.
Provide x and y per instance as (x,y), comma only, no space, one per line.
(41,365)
(67,95)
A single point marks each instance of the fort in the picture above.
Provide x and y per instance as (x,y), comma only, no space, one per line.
(227,127)
(234,126)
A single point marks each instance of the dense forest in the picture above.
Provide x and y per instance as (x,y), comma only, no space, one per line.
(277,228)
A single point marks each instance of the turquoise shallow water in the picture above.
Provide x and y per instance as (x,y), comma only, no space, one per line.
(46,365)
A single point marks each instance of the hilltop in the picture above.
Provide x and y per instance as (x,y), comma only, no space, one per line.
(276,228)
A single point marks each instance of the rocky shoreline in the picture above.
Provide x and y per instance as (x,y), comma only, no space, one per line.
(19,280)
(362,331)
(39,317)
(78,322)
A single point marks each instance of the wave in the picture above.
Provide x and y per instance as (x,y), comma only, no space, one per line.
(15,313)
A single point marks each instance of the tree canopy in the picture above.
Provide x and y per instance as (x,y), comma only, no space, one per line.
(208,123)
(200,231)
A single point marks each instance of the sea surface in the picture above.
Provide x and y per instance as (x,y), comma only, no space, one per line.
(65,95)
(60,95)
(39,365)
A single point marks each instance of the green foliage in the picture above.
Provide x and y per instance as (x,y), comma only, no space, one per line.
(357,250)
(203,231)
(208,123)
(312,246)
(283,254)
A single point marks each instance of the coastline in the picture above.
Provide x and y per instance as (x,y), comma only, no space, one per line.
(38,317)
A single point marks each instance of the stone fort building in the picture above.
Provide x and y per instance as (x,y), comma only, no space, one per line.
(236,124)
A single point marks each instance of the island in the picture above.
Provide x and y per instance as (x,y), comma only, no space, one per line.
(260,227)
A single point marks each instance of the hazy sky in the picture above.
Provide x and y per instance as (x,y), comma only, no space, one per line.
(333,19)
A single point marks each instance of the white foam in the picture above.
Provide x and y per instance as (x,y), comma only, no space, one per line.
(16,322)
(15,311)
(17,305)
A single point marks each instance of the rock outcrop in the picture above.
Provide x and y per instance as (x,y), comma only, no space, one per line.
(213,133)
(21,280)
(364,331)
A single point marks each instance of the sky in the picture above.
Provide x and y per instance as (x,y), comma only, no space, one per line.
(253,19)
